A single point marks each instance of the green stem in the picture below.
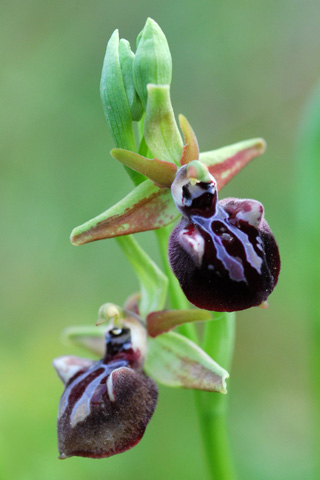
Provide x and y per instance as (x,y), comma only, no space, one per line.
(218,342)
(153,283)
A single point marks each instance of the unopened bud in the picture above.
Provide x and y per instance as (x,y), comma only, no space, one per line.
(152,62)
(126,57)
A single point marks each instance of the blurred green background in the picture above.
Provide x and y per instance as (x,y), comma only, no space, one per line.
(241,70)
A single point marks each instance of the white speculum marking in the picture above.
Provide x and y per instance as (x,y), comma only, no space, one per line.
(110,388)
(194,244)
(233,264)
(82,409)
(65,397)
(252,216)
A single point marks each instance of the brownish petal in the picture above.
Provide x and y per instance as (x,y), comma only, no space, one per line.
(191,149)
(164,320)
(160,172)
(132,303)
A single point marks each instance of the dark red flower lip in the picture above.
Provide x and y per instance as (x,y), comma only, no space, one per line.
(106,405)
(223,253)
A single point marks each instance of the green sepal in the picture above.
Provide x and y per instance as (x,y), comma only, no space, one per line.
(191,148)
(224,163)
(175,361)
(153,282)
(146,207)
(160,172)
(160,128)
(89,337)
(126,57)
(162,321)
(152,62)
(115,102)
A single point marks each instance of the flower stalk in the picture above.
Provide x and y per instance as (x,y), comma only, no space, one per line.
(159,130)
(218,342)
(220,256)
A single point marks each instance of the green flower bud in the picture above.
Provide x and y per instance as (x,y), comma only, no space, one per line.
(118,97)
(114,98)
(152,62)
(126,62)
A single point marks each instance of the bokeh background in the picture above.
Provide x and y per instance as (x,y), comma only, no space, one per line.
(241,70)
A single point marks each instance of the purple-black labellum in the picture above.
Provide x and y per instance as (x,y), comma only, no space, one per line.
(106,405)
(223,253)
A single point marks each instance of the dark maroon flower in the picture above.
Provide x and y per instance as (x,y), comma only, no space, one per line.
(106,405)
(223,253)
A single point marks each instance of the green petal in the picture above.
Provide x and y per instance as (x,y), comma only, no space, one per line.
(160,172)
(226,162)
(160,129)
(164,320)
(175,361)
(147,207)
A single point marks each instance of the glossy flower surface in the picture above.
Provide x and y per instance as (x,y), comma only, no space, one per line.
(223,253)
(106,405)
